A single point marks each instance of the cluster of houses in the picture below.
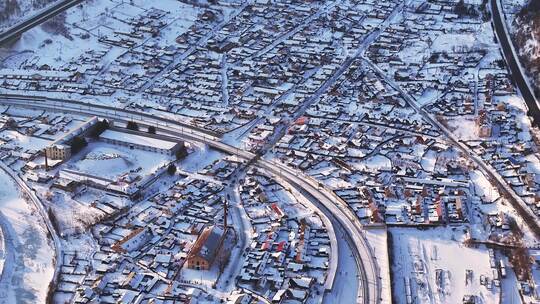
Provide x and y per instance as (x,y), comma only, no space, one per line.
(108,278)
(387,165)
(288,257)
(513,157)
(46,134)
(464,81)
(221,79)
(143,58)
(342,132)
(266,61)
(86,273)
(142,251)
(154,248)
(141,247)
(221,169)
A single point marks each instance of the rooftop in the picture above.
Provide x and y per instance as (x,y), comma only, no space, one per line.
(138,139)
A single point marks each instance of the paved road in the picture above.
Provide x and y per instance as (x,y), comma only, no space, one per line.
(15,31)
(369,291)
(512,61)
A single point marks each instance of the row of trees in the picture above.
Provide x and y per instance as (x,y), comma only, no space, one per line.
(532,8)
(79,142)
(527,41)
(462,9)
(99,128)
(131,125)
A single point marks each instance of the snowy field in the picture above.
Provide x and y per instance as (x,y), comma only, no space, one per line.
(428,259)
(29,255)
(378,240)
(112,161)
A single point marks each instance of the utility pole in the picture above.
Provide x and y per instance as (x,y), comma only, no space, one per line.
(224,214)
(46,161)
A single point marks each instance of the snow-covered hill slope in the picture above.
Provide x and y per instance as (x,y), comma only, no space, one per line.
(527,39)
(11,11)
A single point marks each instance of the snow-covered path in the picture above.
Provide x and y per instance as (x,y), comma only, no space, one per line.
(29,267)
(243,229)
(8,256)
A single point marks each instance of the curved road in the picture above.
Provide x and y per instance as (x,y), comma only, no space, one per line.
(369,280)
(369,291)
(512,61)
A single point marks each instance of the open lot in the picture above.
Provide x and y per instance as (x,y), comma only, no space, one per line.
(112,162)
(430,259)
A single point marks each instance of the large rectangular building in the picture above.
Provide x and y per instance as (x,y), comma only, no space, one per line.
(147,142)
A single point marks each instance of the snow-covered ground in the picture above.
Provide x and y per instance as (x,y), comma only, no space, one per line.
(378,240)
(494,204)
(465,128)
(346,289)
(26,142)
(29,266)
(200,158)
(436,263)
(111,161)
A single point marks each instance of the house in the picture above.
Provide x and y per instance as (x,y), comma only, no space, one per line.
(132,241)
(206,248)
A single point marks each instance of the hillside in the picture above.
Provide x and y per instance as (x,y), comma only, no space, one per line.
(527,40)
(12,10)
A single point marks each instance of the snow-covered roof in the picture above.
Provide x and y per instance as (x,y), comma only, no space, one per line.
(137,139)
